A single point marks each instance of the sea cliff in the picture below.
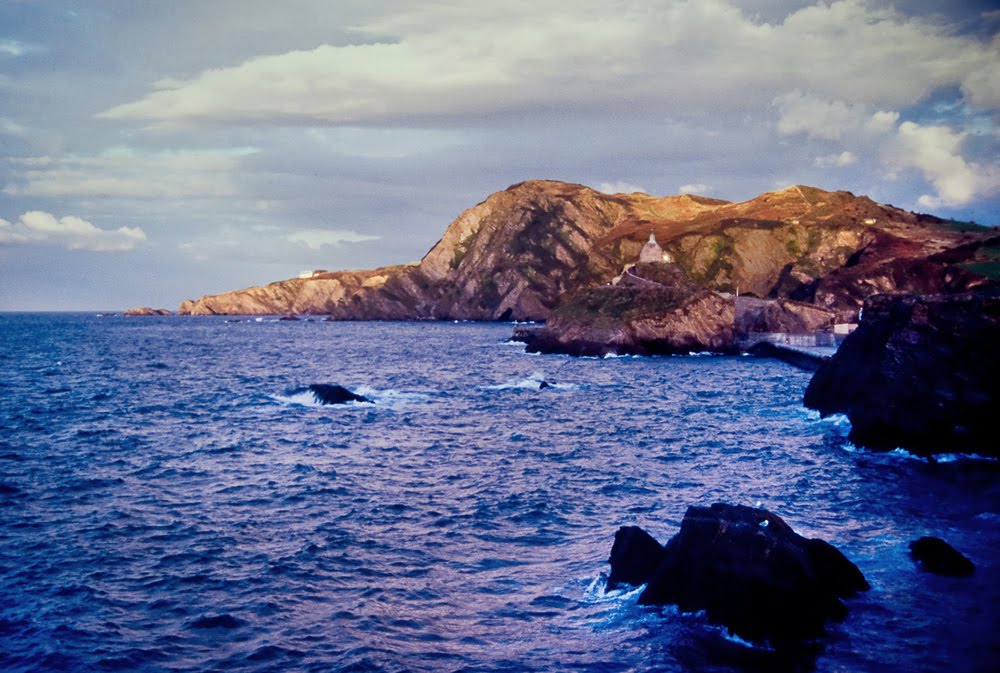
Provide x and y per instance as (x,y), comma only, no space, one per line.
(920,372)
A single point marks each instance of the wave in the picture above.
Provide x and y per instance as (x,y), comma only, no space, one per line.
(389,398)
(536,381)
(901,454)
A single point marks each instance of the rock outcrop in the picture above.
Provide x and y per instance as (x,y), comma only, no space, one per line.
(146,310)
(522,252)
(937,556)
(330,393)
(746,568)
(920,372)
(668,318)
(656,309)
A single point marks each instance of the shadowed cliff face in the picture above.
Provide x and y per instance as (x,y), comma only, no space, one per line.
(920,372)
(521,252)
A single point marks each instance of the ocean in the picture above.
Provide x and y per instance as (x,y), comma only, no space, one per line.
(171,500)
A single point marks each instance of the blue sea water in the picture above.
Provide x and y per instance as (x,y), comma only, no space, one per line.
(171,501)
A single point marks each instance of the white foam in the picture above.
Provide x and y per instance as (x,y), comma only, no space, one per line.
(301,398)
(902,454)
(532,382)
(391,398)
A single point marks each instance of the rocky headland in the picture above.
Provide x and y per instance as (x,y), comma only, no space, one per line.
(549,251)
(921,372)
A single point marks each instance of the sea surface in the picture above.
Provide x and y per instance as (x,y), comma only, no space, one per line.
(171,500)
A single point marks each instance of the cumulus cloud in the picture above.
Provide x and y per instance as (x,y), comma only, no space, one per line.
(697,188)
(620,188)
(129,173)
(800,112)
(936,152)
(314,239)
(845,158)
(70,232)
(438,62)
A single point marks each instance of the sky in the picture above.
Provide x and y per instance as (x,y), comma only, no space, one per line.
(152,152)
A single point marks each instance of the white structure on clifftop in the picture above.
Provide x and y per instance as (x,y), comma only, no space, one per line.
(652,253)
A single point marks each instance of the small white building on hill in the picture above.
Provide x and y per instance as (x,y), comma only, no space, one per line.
(652,253)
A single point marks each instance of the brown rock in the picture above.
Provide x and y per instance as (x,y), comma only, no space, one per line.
(146,310)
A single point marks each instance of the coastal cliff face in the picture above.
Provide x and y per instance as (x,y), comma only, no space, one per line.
(920,372)
(523,252)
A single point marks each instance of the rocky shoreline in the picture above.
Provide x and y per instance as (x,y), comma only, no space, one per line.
(921,372)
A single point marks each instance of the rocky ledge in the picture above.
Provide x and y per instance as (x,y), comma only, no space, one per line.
(921,372)
(655,309)
(746,568)
(146,310)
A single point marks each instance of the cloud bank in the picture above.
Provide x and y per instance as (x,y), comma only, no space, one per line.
(73,233)
(439,63)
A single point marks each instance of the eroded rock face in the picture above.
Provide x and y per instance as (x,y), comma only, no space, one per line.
(920,372)
(746,568)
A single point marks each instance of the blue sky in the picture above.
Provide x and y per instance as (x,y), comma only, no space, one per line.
(152,152)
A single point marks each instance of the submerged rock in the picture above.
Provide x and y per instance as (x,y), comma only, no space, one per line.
(921,372)
(746,568)
(328,393)
(937,556)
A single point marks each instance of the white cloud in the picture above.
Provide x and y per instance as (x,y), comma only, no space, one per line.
(805,113)
(845,158)
(129,173)
(314,239)
(882,122)
(440,62)
(697,188)
(936,152)
(620,188)
(70,232)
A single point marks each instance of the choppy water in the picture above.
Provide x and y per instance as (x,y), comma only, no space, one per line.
(169,502)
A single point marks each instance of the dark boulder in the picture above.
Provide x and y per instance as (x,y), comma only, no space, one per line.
(746,568)
(635,556)
(328,393)
(937,556)
(921,372)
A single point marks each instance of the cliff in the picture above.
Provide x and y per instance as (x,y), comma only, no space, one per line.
(523,251)
(920,372)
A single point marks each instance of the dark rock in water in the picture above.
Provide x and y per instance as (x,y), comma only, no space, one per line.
(328,393)
(635,556)
(746,568)
(937,556)
(289,318)
(921,372)
(543,385)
